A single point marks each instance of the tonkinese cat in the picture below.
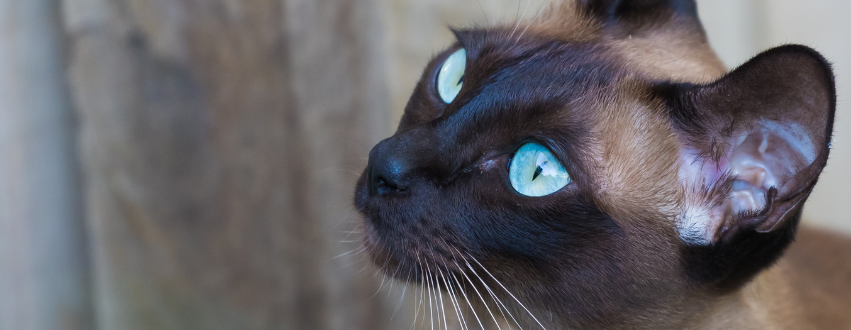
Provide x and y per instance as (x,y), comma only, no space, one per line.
(598,168)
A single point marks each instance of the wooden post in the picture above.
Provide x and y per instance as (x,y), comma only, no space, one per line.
(43,259)
(221,141)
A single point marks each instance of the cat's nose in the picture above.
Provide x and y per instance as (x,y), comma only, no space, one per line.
(388,168)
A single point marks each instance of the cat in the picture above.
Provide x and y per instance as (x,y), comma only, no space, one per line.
(599,168)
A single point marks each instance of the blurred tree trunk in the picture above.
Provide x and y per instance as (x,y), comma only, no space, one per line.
(43,261)
(220,143)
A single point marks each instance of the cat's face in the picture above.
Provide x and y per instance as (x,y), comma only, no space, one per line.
(550,170)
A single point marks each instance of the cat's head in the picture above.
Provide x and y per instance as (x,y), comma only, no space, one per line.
(598,164)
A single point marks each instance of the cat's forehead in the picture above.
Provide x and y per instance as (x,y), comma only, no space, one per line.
(501,50)
(508,72)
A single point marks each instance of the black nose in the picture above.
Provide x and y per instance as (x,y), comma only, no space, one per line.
(388,168)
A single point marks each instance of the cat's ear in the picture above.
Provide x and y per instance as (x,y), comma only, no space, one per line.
(754,143)
(613,11)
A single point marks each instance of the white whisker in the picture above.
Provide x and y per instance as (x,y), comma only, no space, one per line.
(344,220)
(422,293)
(383,278)
(455,303)
(363,269)
(392,283)
(485,14)
(430,306)
(480,297)
(417,292)
(437,292)
(356,252)
(507,291)
(443,277)
(540,9)
(476,315)
(402,299)
(442,308)
(521,18)
(454,295)
(491,293)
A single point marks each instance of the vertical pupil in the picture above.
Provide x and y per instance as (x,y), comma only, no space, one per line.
(537,172)
(461,80)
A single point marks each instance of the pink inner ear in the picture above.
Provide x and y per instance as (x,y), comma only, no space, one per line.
(769,155)
(766,157)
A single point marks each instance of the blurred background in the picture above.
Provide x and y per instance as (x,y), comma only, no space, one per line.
(189,164)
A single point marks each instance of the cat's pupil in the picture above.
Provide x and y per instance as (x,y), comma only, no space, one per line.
(538,171)
(461,80)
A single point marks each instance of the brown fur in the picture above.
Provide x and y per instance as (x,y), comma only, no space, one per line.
(806,289)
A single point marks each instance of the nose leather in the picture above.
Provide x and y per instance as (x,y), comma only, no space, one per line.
(393,161)
(388,169)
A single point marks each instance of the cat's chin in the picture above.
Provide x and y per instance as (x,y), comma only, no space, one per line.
(412,260)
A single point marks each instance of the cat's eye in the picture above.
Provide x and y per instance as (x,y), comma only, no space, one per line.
(534,171)
(450,78)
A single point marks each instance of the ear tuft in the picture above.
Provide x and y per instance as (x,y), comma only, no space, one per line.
(760,136)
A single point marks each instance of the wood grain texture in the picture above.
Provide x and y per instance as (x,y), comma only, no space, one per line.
(221,141)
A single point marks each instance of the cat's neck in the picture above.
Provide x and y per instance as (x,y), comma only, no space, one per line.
(764,303)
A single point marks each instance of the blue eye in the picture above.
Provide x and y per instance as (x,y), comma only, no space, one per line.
(535,171)
(451,75)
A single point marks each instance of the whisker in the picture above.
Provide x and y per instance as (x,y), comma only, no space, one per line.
(442,308)
(384,265)
(454,297)
(521,18)
(482,298)
(455,306)
(537,14)
(436,296)
(516,15)
(420,304)
(476,315)
(507,291)
(383,278)
(402,299)
(443,277)
(494,297)
(417,292)
(350,252)
(422,293)
(350,233)
(490,291)
(430,307)
(487,22)
(345,219)
(437,292)
(365,267)
(392,283)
